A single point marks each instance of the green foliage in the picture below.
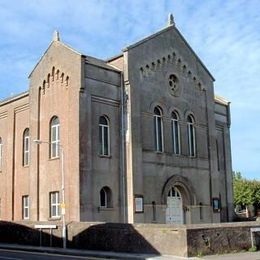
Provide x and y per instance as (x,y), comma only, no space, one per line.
(246,192)
(252,249)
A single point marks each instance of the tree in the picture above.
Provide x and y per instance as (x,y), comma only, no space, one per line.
(246,192)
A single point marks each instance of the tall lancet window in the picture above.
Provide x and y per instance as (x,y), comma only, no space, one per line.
(104,136)
(158,129)
(54,137)
(191,136)
(175,133)
(26,147)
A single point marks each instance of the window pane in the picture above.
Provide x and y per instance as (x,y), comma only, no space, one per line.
(102,198)
(103,120)
(157,111)
(100,140)
(58,132)
(25,206)
(53,198)
(53,210)
(174,116)
(159,134)
(26,144)
(26,213)
(53,149)
(105,140)
(192,141)
(176,137)
(53,134)
(57,149)
(155,133)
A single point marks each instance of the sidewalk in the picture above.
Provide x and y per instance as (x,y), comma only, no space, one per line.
(130,256)
(89,253)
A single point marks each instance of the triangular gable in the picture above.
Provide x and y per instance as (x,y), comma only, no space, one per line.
(165,30)
(57,43)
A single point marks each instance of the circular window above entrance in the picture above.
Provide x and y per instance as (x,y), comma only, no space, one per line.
(174,86)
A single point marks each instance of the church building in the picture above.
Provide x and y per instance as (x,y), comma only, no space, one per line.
(138,138)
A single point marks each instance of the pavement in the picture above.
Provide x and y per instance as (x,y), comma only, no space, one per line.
(89,253)
(117,255)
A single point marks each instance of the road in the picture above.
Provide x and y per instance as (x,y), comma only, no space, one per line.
(22,255)
(12,254)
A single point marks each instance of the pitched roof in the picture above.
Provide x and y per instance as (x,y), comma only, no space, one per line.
(221,100)
(13,98)
(100,63)
(52,42)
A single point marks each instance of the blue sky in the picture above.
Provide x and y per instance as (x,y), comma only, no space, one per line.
(224,34)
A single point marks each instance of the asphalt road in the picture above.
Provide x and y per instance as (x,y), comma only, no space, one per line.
(22,255)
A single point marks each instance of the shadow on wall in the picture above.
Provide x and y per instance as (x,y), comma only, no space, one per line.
(22,234)
(106,237)
(112,237)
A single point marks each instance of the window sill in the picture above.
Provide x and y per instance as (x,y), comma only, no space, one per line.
(158,152)
(54,218)
(105,156)
(26,166)
(54,158)
(105,209)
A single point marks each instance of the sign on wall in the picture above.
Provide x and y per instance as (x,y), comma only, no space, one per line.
(216,205)
(139,204)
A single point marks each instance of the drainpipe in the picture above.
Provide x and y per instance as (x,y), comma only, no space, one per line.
(38,157)
(209,155)
(122,148)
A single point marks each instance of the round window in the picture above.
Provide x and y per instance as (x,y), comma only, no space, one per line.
(173,85)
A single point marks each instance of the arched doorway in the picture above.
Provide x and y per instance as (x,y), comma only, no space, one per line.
(174,208)
(178,195)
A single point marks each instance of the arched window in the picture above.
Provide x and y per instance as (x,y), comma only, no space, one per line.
(26,147)
(175,133)
(104,139)
(1,153)
(158,129)
(54,137)
(191,136)
(105,197)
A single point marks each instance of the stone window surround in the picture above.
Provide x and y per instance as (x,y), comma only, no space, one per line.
(105,196)
(25,207)
(54,204)
(54,137)
(26,147)
(176,133)
(158,129)
(104,136)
